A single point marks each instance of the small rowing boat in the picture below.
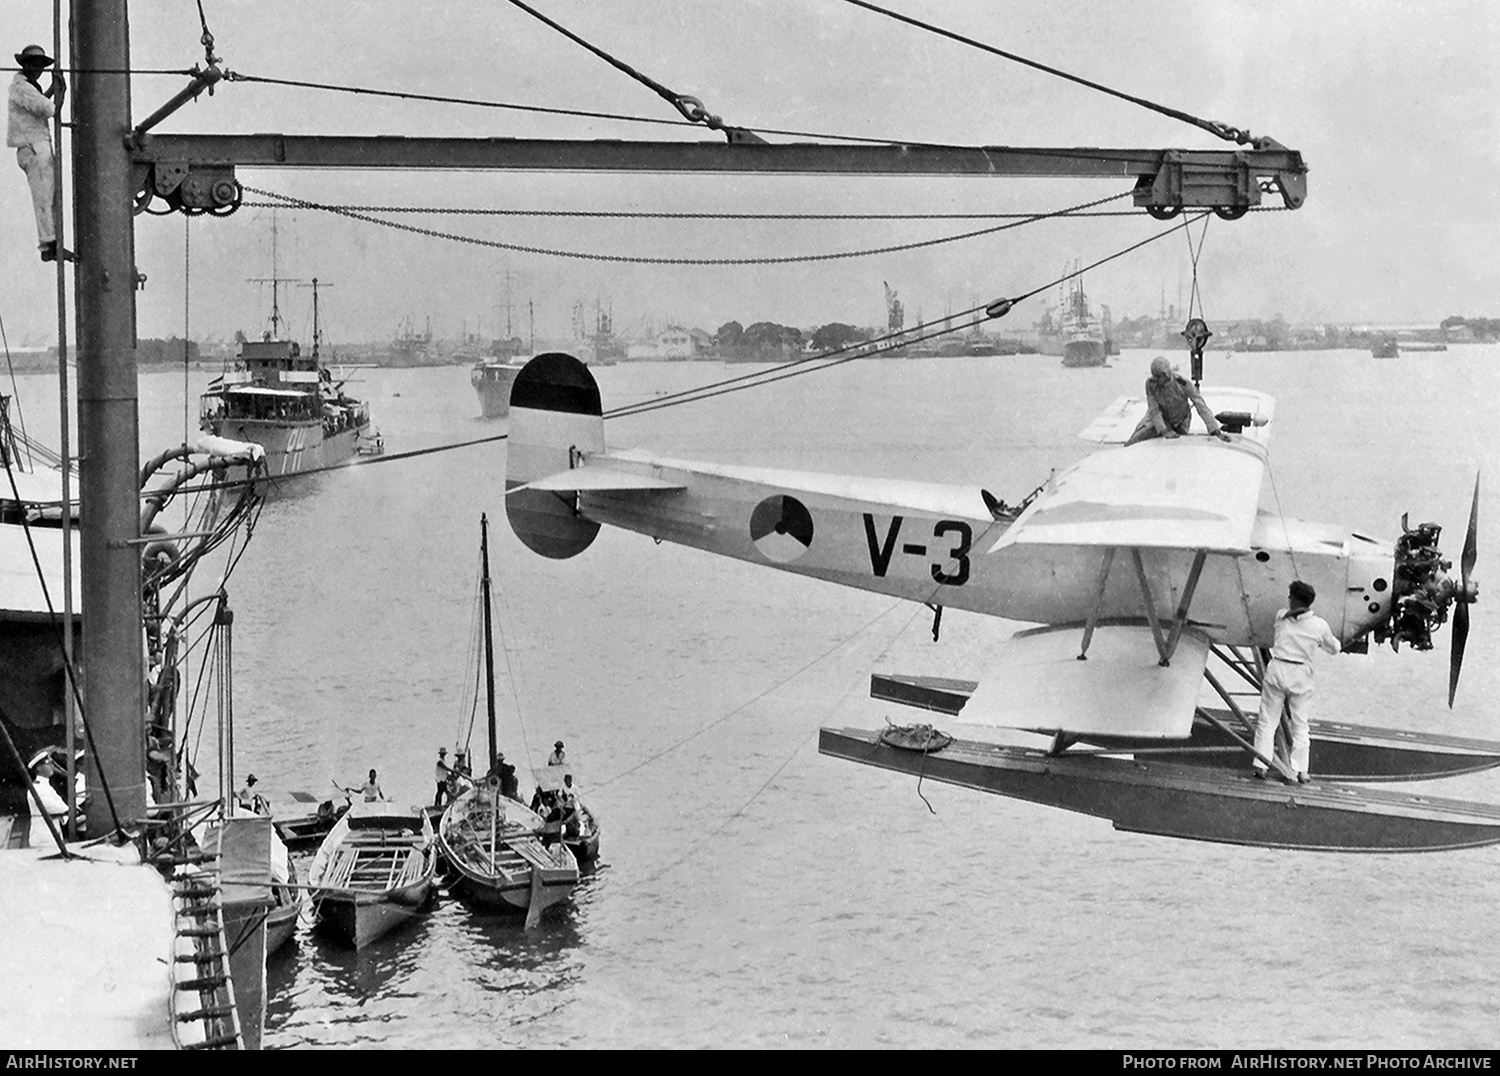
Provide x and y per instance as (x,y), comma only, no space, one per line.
(375,870)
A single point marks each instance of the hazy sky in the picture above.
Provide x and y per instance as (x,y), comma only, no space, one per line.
(1393,105)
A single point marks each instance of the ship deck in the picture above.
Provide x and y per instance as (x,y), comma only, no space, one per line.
(89,947)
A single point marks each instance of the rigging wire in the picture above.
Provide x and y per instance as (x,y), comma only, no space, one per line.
(511,106)
(1222,130)
(823,136)
(69,666)
(691,108)
(739,811)
(634,259)
(188,71)
(754,379)
(15,392)
(796,368)
(742,707)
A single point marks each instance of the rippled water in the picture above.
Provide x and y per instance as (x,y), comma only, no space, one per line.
(755,893)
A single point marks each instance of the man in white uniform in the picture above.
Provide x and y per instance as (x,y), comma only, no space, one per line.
(30,111)
(1300,633)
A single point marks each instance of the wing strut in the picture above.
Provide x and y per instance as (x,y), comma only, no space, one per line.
(1165,647)
(1093,622)
(1150,605)
(1182,607)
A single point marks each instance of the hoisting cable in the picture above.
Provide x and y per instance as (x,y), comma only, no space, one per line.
(1194,298)
(634,259)
(691,108)
(1222,130)
(997,308)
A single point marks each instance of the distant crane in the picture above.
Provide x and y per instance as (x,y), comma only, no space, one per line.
(895,313)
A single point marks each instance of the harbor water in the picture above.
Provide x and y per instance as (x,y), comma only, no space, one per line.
(753,893)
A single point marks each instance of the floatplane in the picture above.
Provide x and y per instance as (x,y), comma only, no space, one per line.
(1153,577)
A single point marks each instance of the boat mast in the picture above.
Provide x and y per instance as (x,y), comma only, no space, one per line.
(489,643)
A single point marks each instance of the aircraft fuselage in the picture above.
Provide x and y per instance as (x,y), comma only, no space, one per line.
(933,543)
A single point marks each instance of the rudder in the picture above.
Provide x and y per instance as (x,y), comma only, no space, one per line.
(554,412)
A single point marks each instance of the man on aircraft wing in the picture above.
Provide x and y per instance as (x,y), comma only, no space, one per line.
(1170,400)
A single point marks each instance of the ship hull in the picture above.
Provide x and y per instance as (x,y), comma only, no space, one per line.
(492,384)
(361,918)
(292,448)
(1083,353)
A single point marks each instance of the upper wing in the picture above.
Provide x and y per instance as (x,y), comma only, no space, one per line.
(1116,422)
(1191,492)
(1187,493)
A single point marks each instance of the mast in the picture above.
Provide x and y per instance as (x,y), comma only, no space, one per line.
(109,455)
(489,642)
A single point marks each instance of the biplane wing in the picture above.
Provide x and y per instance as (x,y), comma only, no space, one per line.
(1235,407)
(1038,683)
(1192,493)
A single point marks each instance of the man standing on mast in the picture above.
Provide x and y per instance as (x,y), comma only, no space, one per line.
(26,130)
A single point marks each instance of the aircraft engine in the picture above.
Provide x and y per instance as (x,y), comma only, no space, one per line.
(1424,592)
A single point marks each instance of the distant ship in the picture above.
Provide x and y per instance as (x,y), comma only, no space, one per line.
(493,377)
(1082,333)
(287,403)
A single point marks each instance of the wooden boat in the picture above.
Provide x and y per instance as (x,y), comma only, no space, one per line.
(498,855)
(580,832)
(288,899)
(492,845)
(375,870)
(307,831)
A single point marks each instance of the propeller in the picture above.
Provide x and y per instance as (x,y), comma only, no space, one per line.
(1466,595)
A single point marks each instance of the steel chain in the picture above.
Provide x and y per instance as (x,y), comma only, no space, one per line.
(645,260)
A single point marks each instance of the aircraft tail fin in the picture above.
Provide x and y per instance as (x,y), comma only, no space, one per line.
(555,414)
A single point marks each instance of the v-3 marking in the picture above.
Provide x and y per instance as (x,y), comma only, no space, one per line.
(882,549)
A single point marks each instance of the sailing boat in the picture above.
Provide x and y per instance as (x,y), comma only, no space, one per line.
(491,842)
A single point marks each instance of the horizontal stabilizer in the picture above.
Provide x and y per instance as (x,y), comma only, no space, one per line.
(597,480)
(1040,685)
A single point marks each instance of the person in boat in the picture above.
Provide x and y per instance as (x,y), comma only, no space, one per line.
(251,800)
(442,773)
(559,756)
(1170,402)
(572,817)
(1300,633)
(510,785)
(30,110)
(371,790)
